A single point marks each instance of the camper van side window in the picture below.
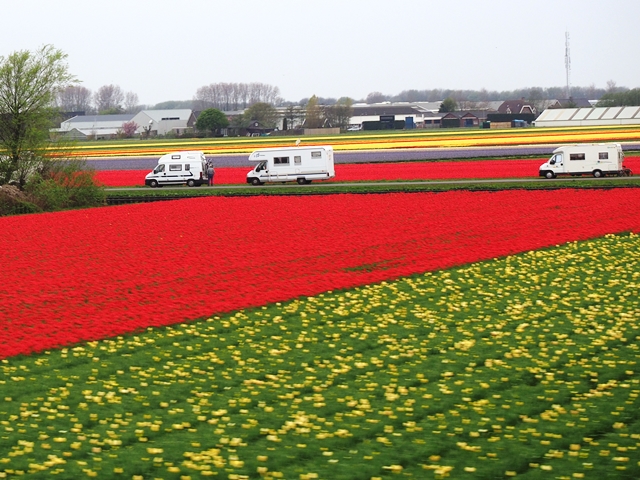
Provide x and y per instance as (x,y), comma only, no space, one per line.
(187,167)
(159,168)
(175,168)
(175,157)
(576,156)
(297,160)
(316,154)
(281,160)
(603,155)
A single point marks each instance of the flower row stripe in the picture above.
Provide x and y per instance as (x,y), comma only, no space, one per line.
(101,272)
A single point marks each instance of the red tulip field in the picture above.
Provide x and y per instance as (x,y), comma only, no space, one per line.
(403,335)
(377,171)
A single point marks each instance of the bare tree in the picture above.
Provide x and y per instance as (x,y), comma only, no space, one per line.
(612,86)
(74,98)
(131,103)
(234,96)
(376,97)
(109,99)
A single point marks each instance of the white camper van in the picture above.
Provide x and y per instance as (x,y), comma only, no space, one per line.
(179,168)
(291,164)
(597,159)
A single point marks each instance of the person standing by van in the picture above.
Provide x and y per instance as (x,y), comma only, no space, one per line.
(210,173)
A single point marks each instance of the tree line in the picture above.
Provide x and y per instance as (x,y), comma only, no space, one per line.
(229,97)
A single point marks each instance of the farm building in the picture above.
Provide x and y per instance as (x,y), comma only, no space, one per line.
(102,127)
(413,115)
(464,118)
(99,127)
(582,117)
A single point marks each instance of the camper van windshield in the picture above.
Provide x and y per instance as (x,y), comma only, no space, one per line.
(159,168)
(557,158)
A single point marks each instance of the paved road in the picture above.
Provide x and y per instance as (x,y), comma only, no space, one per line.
(369,156)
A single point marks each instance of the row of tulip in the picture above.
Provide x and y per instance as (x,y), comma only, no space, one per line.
(480,169)
(373,140)
(106,271)
(521,366)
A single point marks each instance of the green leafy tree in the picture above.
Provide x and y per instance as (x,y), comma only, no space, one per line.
(339,114)
(29,85)
(314,117)
(628,98)
(211,120)
(448,105)
(263,113)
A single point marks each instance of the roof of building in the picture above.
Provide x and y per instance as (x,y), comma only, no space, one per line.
(177,114)
(589,116)
(571,103)
(516,106)
(386,109)
(123,117)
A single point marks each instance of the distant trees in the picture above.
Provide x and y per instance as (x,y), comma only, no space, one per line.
(74,98)
(131,103)
(313,115)
(211,120)
(376,97)
(293,117)
(263,113)
(111,99)
(108,99)
(339,114)
(620,99)
(235,96)
(448,105)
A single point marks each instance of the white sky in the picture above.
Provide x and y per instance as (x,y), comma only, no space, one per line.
(165,50)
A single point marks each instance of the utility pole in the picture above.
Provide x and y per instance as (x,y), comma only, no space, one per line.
(567,61)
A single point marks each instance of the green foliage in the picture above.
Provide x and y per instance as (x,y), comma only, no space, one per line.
(313,117)
(263,113)
(211,120)
(29,82)
(63,184)
(620,99)
(448,105)
(15,202)
(339,114)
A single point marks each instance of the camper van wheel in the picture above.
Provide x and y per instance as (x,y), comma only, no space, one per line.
(256,181)
(550,174)
(302,181)
(597,173)
(153,183)
(191,183)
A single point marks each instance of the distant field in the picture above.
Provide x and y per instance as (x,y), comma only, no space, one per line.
(367,141)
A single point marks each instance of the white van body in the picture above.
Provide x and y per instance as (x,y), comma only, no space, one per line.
(597,159)
(291,164)
(179,168)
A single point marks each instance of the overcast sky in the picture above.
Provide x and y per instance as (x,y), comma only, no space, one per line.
(165,50)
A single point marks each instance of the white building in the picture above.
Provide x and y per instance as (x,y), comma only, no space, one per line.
(98,127)
(163,122)
(152,122)
(584,117)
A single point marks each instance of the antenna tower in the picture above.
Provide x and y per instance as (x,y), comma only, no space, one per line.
(567,60)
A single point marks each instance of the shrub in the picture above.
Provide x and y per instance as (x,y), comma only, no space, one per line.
(65,184)
(14,202)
